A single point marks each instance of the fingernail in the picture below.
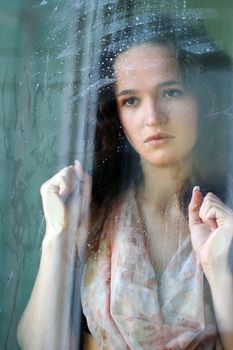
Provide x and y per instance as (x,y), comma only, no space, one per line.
(76,163)
(196,188)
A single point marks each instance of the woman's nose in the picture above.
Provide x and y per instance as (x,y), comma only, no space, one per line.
(155,113)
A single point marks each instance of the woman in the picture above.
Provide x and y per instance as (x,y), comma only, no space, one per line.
(156,259)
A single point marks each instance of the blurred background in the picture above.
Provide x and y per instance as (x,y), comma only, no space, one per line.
(47,50)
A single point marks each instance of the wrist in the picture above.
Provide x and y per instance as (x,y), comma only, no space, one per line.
(62,243)
(54,241)
(219,281)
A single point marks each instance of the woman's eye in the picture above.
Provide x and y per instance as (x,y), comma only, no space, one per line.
(173,93)
(131,101)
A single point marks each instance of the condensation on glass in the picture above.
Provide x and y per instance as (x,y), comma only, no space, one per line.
(82,80)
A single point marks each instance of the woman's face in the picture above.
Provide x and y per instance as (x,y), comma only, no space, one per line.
(158,114)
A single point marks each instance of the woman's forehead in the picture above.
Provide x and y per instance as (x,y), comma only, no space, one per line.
(147,56)
(151,62)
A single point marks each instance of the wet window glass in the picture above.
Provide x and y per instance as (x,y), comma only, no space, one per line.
(116,179)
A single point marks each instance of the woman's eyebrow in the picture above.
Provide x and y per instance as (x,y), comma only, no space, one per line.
(170,82)
(134,91)
(127,92)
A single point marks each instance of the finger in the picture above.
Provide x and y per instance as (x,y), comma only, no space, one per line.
(215,213)
(67,185)
(84,178)
(209,216)
(63,183)
(212,200)
(194,206)
(80,173)
(211,210)
(205,214)
(209,200)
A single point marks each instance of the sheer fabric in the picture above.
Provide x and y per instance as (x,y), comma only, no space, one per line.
(127,307)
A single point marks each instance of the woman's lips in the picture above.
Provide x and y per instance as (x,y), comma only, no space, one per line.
(158,138)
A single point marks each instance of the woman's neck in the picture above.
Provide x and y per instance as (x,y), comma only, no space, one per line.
(160,211)
(161,185)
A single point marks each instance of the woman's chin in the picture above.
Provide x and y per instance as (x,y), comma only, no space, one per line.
(163,161)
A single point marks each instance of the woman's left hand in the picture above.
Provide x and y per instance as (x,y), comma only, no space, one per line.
(211,227)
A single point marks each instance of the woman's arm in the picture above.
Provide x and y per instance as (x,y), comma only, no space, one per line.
(45,323)
(211,226)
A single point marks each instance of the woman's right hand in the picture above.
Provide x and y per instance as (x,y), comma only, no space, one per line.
(65,199)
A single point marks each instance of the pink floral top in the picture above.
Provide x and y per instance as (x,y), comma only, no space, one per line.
(125,306)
